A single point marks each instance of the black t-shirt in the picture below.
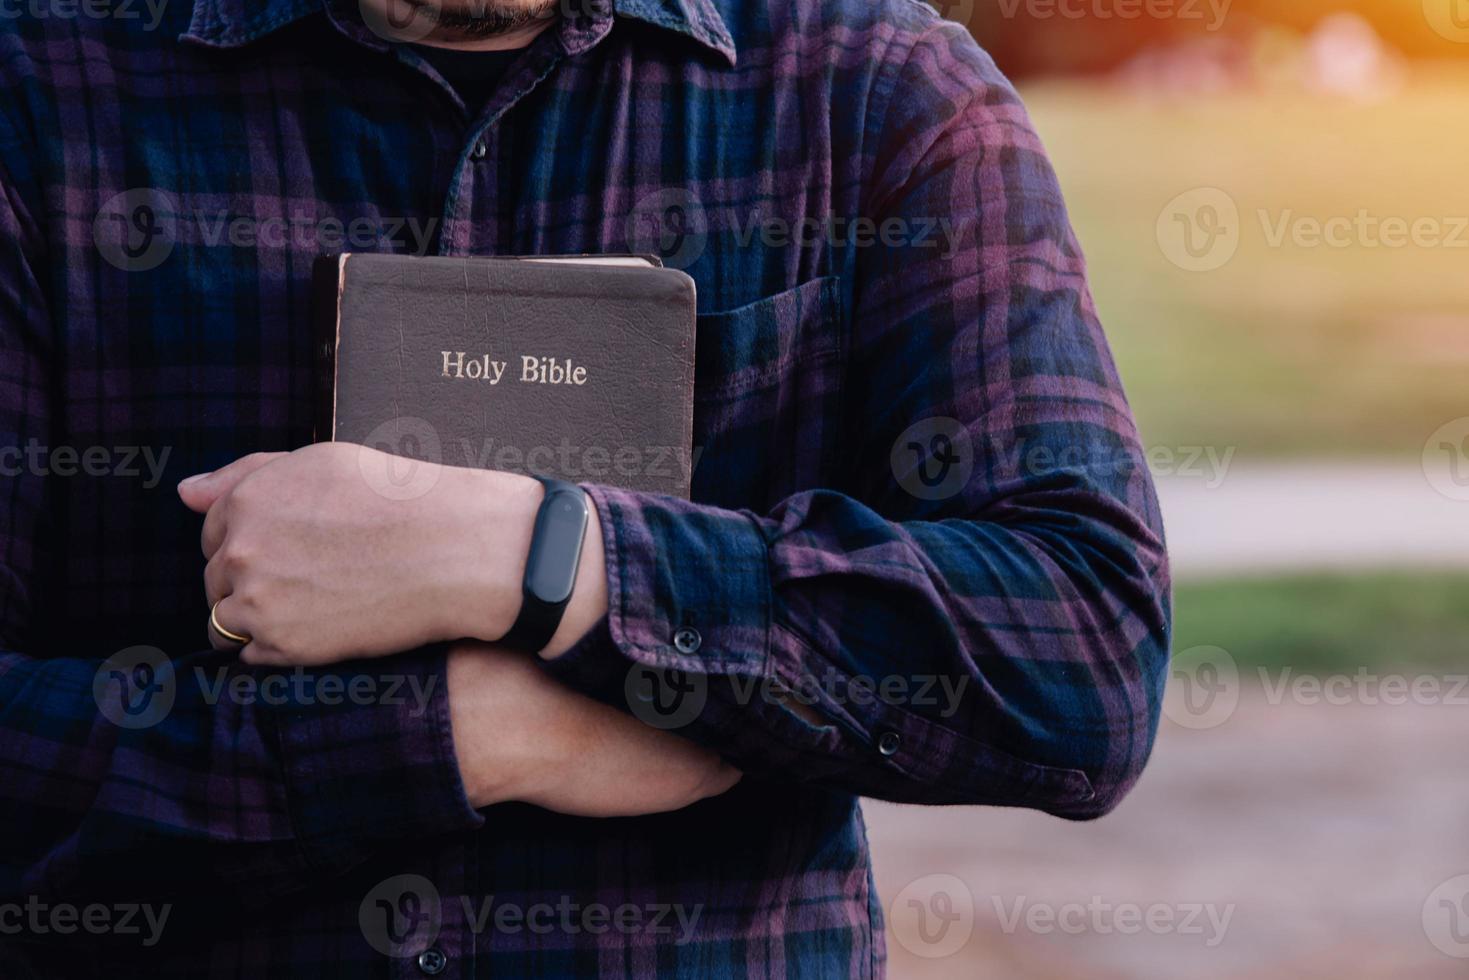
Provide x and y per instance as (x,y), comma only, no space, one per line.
(474,74)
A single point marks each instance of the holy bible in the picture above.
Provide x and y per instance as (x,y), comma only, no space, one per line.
(577,367)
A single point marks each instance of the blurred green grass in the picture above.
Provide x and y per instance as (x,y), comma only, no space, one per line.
(1330,623)
(1284,351)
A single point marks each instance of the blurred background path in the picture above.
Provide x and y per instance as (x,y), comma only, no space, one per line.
(1325,829)
(1298,516)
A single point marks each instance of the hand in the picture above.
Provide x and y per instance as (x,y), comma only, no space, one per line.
(315,557)
(522,736)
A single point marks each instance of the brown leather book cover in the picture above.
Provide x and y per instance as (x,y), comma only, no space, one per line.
(575,367)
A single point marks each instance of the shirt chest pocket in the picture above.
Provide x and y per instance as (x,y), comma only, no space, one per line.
(767,396)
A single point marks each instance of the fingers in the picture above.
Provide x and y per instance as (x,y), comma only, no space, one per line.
(724,780)
(212,534)
(257,654)
(216,581)
(202,492)
(228,615)
(199,492)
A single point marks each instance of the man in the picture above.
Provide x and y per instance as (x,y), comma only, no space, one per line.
(923,559)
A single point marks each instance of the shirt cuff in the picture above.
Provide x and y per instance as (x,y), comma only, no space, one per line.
(686,644)
(369,757)
(688,586)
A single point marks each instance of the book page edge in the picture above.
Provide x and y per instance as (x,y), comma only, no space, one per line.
(337,336)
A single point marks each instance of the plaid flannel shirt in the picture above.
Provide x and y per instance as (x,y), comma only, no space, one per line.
(920,503)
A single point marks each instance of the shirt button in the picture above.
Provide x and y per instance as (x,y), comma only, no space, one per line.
(686,639)
(432,961)
(479,151)
(888,743)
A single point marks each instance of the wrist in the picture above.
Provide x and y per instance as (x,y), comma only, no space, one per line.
(489,540)
(485,567)
(505,739)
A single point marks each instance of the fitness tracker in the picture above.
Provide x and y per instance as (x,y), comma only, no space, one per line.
(551,566)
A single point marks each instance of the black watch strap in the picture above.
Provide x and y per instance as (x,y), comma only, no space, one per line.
(540,617)
(535,625)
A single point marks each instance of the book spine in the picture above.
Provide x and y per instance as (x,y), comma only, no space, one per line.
(326,320)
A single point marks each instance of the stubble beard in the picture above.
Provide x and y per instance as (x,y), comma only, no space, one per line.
(480,19)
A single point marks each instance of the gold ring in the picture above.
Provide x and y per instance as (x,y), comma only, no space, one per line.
(214,621)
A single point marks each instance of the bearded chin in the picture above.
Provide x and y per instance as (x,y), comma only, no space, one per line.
(488,18)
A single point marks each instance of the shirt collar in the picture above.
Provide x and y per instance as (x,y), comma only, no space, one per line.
(234,23)
(699,19)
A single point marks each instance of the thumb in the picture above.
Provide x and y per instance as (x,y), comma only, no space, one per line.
(200,491)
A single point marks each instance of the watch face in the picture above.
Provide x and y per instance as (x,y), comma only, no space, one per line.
(560,526)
